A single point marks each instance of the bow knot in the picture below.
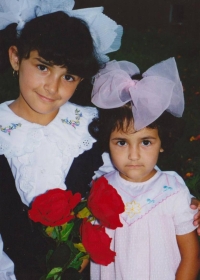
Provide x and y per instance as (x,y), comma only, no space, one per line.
(20,23)
(159,90)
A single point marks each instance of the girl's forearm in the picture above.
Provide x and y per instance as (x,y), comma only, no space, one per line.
(188,270)
(190,256)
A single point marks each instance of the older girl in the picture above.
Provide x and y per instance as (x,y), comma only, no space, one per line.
(44,139)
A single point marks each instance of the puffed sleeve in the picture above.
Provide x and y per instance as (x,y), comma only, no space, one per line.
(183,214)
(6,265)
(105,168)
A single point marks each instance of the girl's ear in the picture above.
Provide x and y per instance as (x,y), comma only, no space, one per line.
(14,59)
(161,150)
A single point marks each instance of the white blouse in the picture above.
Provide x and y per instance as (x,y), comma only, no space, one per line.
(40,156)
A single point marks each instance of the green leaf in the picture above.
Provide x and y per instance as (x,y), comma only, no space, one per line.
(80,247)
(84,213)
(75,232)
(73,250)
(65,232)
(76,262)
(80,206)
(50,232)
(54,272)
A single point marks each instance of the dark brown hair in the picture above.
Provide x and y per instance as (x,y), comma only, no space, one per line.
(170,128)
(63,40)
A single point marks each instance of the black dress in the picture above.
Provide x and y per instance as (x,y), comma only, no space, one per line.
(22,241)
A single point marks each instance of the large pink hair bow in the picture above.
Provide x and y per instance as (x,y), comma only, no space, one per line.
(159,90)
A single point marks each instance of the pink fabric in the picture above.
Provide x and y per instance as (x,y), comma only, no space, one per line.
(159,90)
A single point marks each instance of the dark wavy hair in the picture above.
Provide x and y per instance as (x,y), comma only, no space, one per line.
(170,128)
(63,40)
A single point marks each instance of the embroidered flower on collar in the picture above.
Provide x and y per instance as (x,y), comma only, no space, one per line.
(9,128)
(132,208)
(75,122)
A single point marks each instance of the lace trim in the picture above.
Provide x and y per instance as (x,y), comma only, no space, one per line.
(81,139)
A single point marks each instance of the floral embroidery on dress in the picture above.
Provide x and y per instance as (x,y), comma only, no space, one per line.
(166,188)
(150,200)
(132,208)
(76,122)
(9,128)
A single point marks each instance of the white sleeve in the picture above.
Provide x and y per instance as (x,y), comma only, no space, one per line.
(6,265)
(183,214)
(105,168)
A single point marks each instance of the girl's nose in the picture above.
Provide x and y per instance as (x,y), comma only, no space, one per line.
(134,153)
(52,84)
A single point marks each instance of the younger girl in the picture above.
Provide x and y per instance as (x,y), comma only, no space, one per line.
(52,49)
(157,240)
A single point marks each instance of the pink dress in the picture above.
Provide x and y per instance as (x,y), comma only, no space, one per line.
(155,212)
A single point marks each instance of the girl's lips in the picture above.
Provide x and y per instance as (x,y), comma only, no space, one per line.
(134,165)
(45,98)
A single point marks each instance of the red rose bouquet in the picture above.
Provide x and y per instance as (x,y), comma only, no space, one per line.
(77,227)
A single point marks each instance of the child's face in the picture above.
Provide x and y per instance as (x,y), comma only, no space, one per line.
(44,87)
(135,154)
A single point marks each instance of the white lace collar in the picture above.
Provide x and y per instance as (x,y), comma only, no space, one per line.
(18,136)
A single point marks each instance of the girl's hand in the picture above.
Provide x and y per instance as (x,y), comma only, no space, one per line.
(195,204)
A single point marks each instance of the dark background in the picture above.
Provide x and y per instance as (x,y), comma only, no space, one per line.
(180,16)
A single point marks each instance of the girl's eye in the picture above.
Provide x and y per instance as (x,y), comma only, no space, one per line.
(69,78)
(146,143)
(121,143)
(42,67)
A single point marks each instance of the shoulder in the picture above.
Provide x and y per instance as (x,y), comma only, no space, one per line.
(70,128)
(175,181)
(112,177)
(13,131)
(80,113)
(5,112)
(174,175)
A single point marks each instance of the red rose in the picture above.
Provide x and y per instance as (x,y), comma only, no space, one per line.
(105,203)
(96,243)
(54,207)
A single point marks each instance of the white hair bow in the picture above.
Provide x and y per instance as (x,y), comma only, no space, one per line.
(105,32)
(17,11)
(159,90)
